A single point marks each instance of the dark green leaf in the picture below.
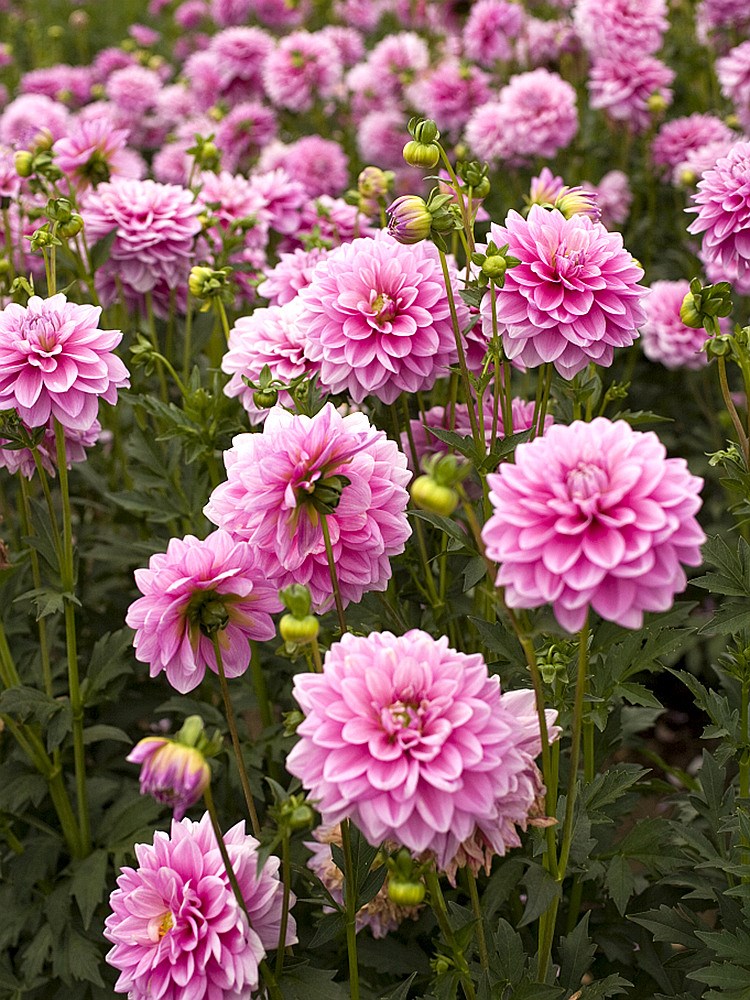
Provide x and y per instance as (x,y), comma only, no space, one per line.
(620,882)
(576,954)
(508,955)
(88,883)
(541,889)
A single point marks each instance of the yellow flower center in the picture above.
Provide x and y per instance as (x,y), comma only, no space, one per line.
(166,925)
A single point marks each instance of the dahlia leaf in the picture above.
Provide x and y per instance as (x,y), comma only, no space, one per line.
(608,987)
(675,926)
(620,882)
(576,954)
(508,958)
(541,889)
(88,884)
(401,991)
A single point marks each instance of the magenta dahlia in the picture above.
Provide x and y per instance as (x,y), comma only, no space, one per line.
(378,319)
(194,589)
(491,30)
(305,67)
(624,87)
(56,362)
(279,482)
(574,297)
(176,927)
(594,515)
(676,138)
(723,207)
(155,226)
(412,740)
(619,28)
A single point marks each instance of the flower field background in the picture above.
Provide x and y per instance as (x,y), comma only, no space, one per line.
(374,482)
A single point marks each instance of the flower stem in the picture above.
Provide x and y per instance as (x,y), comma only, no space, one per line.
(350,905)
(437,901)
(286,875)
(732,410)
(484,957)
(333,573)
(36,576)
(232,723)
(67,574)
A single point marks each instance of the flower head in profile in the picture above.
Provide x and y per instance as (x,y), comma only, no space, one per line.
(174,771)
(594,515)
(412,741)
(176,926)
(55,361)
(378,318)
(281,482)
(723,207)
(195,590)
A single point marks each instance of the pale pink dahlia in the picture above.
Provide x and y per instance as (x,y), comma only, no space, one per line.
(594,515)
(378,320)
(155,226)
(621,87)
(664,337)
(92,152)
(76,443)
(280,481)
(193,590)
(733,71)
(56,362)
(620,28)
(304,68)
(574,297)
(535,115)
(273,337)
(292,272)
(723,207)
(176,927)
(676,138)
(412,741)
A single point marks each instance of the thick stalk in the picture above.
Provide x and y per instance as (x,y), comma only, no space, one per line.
(333,573)
(67,575)
(732,410)
(484,957)
(259,684)
(744,764)
(286,876)
(350,908)
(232,724)
(437,901)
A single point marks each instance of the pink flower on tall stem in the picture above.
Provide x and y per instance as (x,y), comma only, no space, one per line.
(56,362)
(723,207)
(594,515)
(574,297)
(300,469)
(413,741)
(176,927)
(193,590)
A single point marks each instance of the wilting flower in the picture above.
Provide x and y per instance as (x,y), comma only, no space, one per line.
(280,482)
(155,226)
(723,207)
(573,298)
(192,591)
(172,772)
(413,742)
(378,319)
(664,337)
(176,926)
(594,515)
(56,362)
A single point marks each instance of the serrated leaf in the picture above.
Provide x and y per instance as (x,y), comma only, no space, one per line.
(536,991)
(667,924)
(101,732)
(331,926)
(608,987)
(620,882)
(401,991)
(88,884)
(508,955)
(576,954)
(723,977)
(541,889)
(99,252)
(85,959)
(727,945)
(446,525)
(732,576)
(303,982)
(502,882)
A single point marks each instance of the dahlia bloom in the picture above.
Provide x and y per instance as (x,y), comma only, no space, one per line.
(676,138)
(535,115)
(574,297)
(328,222)
(698,161)
(619,28)
(76,443)
(380,138)
(320,165)
(292,272)
(172,772)
(227,13)
(92,152)
(490,31)
(196,587)
(239,54)
(543,42)
(733,71)
(664,337)
(56,362)
(133,90)
(304,67)
(412,740)
(378,320)
(270,500)
(155,227)
(613,198)
(621,87)
(397,60)
(449,93)
(723,207)
(23,120)
(381,914)
(176,927)
(273,337)
(715,16)
(244,132)
(594,515)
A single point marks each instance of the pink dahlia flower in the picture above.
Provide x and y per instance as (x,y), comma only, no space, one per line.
(155,226)
(239,54)
(698,161)
(92,152)
(280,480)
(191,590)
(733,71)
(76,443)
(664,337)
(177,929)
(594,515)
(715,16)
(320,165)
(535,115)
(244,132)
(620,28)
(328,222)
(273,337)
(378,320)
(231,12)
(677,138)
(292,272)
(490,31)
(574,297)
(380,138)
(621,87)
(613,197)
(544,42)
(723,207)
(56,362)
(304,68)
(449,93)
(23,120)
(412,740)
(171,772)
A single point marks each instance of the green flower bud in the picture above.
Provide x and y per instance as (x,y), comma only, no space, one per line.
(298,631)
(430,495)
(689,314)
(421,154)
(406,893)
(423,130)
(264,399)
(718,347)
(296,599)
(72,227)
(494,267)
(301,818)
(24,161)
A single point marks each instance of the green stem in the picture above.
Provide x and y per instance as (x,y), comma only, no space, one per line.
(744,764)
(232,724)
(333,573)
(259,684)
(187,349)
(286,877)
(67,574)
(350,907)
(484,957)
(155,344)
(36,576)
(575,749)
(437,901)
(540,412)
(316,656)
(732,410)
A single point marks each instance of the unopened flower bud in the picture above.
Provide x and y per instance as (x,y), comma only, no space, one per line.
(577,201)
(421,154)
(494,267)
(430,495)
(171,772)
(296,599)
(24,161)
(72,227)
(298,631)
(657,103)
(264,399)
(409,219)
(423,130)
(374,182)
(406,893)
(718,347)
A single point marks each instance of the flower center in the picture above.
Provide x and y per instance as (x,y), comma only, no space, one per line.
(384,308)
(586,480)
(208,611)
(403,719)
(166,925)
